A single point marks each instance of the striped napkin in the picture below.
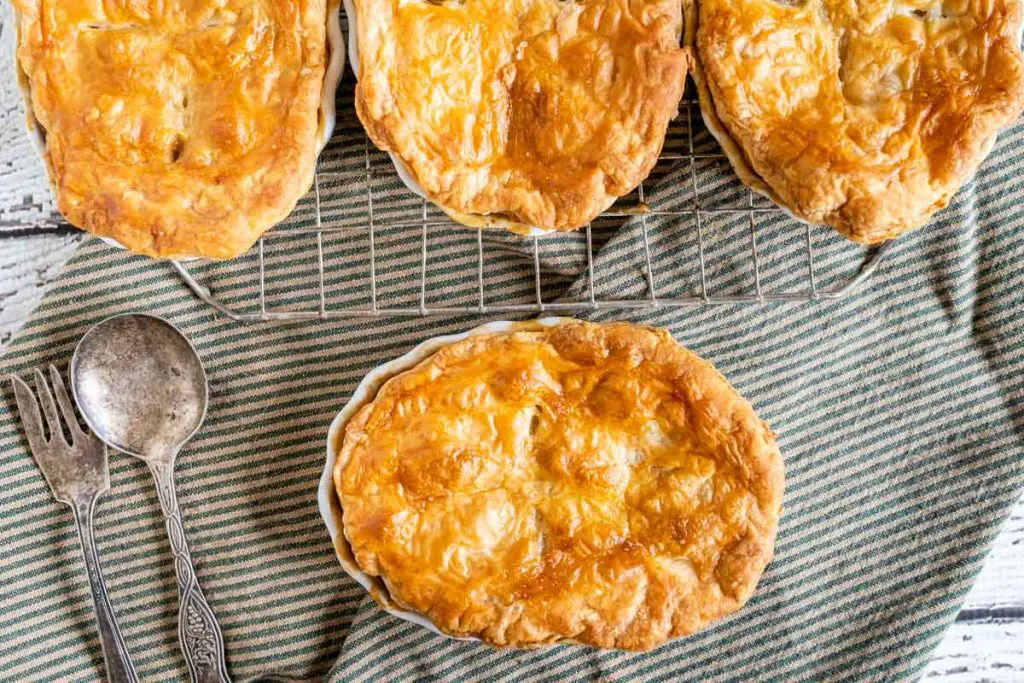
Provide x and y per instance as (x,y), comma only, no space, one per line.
(899,411)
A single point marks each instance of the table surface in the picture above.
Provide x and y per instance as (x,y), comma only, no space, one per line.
(985,643)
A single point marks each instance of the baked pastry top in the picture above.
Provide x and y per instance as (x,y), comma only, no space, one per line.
(589,483)
(867,116)
(541,112)
(181,127)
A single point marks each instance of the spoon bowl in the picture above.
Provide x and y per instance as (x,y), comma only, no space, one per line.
(140,385)
(142,389)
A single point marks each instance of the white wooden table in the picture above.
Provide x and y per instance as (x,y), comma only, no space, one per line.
(985,644)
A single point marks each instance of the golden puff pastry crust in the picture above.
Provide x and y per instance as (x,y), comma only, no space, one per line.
(598,484)
(537,112)
(867,116)
(177,128)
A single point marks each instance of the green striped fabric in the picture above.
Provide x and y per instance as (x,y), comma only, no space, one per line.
(899,413)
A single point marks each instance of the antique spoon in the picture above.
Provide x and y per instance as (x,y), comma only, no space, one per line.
(142,389)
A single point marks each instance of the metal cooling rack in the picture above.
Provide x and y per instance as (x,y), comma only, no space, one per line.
(714,196)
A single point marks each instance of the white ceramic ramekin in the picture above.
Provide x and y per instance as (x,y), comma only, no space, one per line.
(365,392)
(328,114)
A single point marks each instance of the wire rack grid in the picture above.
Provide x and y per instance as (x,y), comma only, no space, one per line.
(695,195)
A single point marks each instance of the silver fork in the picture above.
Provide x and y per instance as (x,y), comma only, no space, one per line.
(77,475)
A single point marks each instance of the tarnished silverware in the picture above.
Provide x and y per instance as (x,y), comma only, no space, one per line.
(76,471)
(142,389)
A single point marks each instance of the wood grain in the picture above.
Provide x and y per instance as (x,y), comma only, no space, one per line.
(25,198)
(979,651)
(999,590)
(27,266)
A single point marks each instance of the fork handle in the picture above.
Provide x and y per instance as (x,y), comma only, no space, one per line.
(115,653)
(202,642)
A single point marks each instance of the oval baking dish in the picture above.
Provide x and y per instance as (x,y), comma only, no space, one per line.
(327,115)
(553,481)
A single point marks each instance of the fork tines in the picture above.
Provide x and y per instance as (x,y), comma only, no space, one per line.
(29,409)
(74,467)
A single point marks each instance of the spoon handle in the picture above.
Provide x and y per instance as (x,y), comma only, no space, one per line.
(201,639)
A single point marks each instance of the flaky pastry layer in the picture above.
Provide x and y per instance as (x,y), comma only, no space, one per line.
(541,112)
(867,116)
(178,128)
(589,483)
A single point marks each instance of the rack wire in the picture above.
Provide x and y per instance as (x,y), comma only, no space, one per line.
(361,245)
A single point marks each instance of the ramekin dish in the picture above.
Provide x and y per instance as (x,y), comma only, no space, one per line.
(327,118)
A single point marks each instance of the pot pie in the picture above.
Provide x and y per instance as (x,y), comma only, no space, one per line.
(597,484)
(178,128)
(521,112)
(867,116)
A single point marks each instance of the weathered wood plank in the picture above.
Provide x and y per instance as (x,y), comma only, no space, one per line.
(25,198)
(979,652)
(1000,584)
(27,266)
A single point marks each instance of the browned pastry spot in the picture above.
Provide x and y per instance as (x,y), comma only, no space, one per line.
(178,128)
(867,116)
(589,483)
(540,111)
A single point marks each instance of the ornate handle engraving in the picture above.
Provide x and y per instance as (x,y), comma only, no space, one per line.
(200,635)
(115,653)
